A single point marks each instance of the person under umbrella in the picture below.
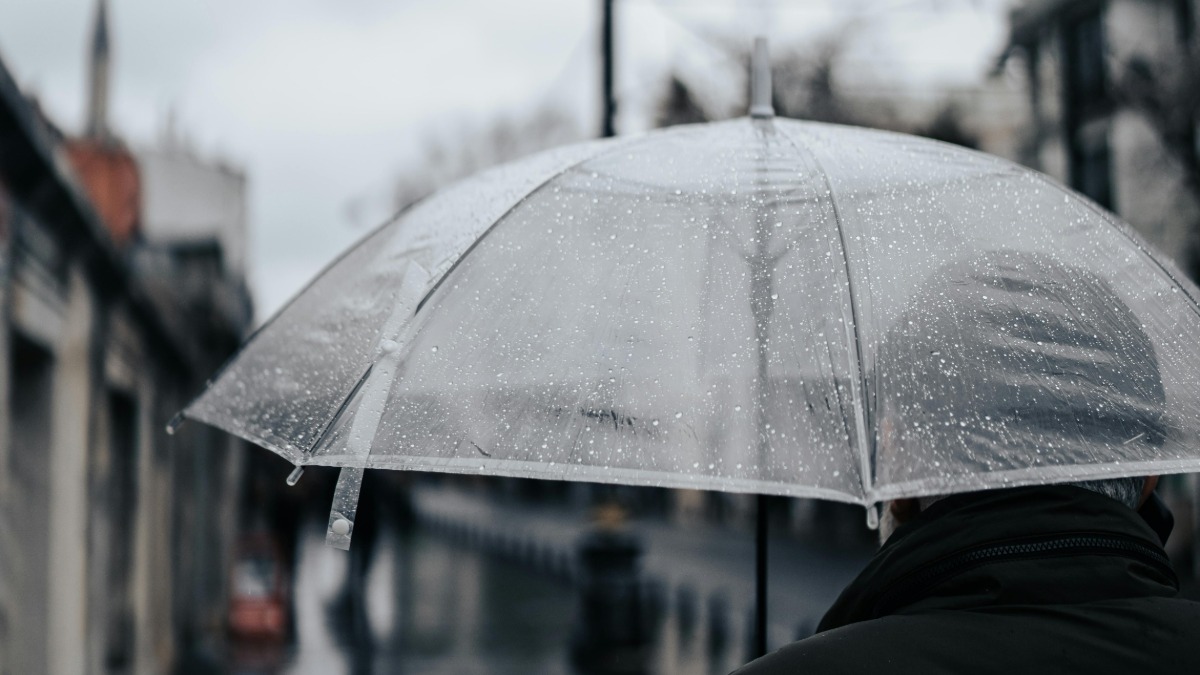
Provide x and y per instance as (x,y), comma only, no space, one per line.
(705,307)
(1069,577)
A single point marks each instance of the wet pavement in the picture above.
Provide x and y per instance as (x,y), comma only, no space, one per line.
(482,587)
(705,561)
(430,607)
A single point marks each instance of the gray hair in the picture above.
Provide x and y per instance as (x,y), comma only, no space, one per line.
(1128,491)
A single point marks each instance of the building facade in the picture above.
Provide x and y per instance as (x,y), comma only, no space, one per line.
(115,537)
(1088,66)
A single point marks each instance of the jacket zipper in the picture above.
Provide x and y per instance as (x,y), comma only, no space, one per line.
(907,590)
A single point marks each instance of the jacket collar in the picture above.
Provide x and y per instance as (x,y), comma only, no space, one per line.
(1034,545)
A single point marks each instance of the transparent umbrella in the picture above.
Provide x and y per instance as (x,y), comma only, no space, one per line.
(760,305)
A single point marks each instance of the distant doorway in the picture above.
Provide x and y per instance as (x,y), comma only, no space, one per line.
(113,489)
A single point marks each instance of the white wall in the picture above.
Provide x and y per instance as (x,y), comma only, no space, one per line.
(187,199)
(69,485)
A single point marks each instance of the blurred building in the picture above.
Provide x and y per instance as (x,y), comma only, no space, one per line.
(191,249)
(1083,60)
(1113,101)
(115,537)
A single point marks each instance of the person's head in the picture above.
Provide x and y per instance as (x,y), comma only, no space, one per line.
(1132,492)
(1011,361)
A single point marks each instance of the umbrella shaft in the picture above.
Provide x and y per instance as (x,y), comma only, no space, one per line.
(760,579)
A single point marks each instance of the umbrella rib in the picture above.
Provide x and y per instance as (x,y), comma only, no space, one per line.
(340,411)
(858,381)
(386,332)
(300,293)
(620,143)
(381,229)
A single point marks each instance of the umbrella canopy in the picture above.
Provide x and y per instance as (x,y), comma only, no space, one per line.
(759,305)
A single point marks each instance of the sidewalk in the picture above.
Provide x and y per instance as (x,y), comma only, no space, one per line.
(705,565)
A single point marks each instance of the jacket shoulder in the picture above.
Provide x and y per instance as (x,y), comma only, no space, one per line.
(1144,635)
(850,649)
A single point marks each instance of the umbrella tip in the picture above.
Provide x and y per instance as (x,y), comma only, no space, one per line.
(176,422)
(760,81)
(294,476)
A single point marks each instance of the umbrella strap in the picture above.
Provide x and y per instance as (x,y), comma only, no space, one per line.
(345,506)
(369,412)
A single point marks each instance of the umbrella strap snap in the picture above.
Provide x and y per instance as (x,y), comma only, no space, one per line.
(375,385)
(345,506)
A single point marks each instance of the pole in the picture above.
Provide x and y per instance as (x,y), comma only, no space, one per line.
(608,100)
(762,308)
(760,579)
(760,81)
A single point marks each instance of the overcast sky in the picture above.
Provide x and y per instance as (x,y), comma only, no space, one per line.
(325,102)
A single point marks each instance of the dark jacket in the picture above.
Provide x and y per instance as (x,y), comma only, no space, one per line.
(1030,580)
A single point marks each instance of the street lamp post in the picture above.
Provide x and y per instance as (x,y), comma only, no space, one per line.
(608,100)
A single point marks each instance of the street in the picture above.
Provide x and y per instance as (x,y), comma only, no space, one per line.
(483,587)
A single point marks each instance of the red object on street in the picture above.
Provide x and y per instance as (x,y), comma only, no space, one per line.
(258,604)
